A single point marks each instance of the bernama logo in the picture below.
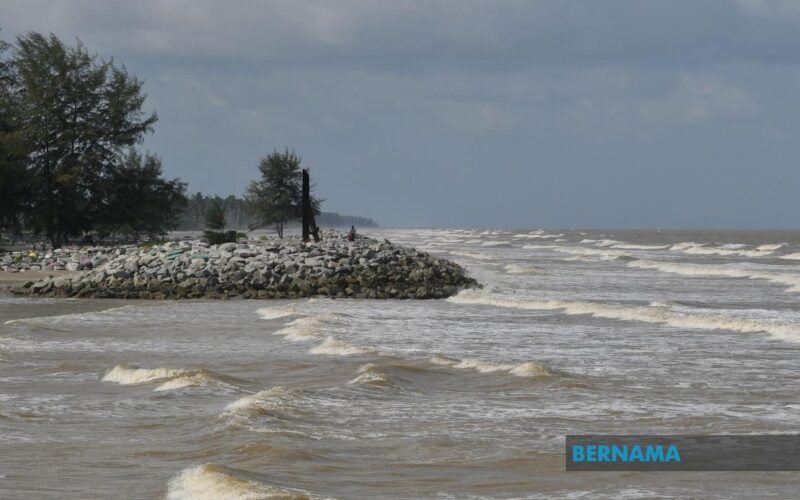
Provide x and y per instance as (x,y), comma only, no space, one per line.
(594,453)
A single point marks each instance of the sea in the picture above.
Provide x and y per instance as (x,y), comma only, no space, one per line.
(573,332)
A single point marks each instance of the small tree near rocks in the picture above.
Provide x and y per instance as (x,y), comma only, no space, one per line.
(215,224)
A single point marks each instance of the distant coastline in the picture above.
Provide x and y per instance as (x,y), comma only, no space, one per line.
(237,216)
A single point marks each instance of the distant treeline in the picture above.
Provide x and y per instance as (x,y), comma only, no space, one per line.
(237,216)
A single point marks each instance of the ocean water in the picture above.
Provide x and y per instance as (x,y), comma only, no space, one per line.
(575,332)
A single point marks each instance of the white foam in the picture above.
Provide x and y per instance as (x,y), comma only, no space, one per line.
(791,256)
(788,279)
(133,376)
(370,374)
(770,247)
(520,269)
(195,379)
(304,329)
(630,246)
(646,314)
(260,402)
(170,378)
(537,236)
(336,347)
(527,369)
(692,248)
(275,312)
(213,482)
(600,253)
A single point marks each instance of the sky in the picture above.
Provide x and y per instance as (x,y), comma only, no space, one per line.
(467,113)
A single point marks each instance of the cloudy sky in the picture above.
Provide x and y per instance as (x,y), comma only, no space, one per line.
(466,113)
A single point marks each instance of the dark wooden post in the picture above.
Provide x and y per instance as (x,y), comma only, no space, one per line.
(309,225)
(306,203)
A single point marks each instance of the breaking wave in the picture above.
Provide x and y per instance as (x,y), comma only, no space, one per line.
(599,253)
(646,314)
(169,378)
(692,248)
(622,245)
(263,403)
(791,256)
(212,482)
(538,236)
(304,329)
(790,280)
(528,369)
(275,312)
(630,246)
(336,347)
(372,375)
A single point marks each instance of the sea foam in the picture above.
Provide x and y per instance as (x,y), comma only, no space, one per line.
(646,314)
(275,312)
(527,369)
(304,329)
(335,347)
(786,279)
(169,378)
(212,482)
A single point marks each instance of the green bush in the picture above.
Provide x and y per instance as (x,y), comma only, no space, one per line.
(219,237)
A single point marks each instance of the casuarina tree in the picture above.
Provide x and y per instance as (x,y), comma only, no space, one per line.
(77,116)
(276,198)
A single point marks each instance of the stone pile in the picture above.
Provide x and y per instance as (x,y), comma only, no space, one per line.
(60,259)
(288,268)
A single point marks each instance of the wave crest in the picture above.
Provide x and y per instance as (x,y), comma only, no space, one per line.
(336,347)
(646,314)
(371,374)
(170,378)
(211,482)
(790,280)
(527,369)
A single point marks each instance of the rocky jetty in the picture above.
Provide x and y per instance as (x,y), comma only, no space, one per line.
(61,259)
(265,269)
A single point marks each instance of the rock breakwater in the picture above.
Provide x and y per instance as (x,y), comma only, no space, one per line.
(266,269)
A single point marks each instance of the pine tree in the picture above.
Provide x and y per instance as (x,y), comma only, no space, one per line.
(77,115)
(13,181)
(276,198)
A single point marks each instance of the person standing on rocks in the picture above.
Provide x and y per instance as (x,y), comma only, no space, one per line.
(351,236)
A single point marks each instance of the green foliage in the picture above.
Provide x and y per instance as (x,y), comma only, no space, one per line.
(215,215)
(140,200)
(75,117)
(276,198)
(215,223)
(13,181)
(219,237)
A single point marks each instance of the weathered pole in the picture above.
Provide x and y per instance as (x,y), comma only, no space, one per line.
(306,202)
(309,225)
